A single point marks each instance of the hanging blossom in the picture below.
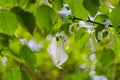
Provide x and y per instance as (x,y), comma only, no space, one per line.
(45,2)
(56,49)
(100,34)
(64,12)
(32,44)
(87,25)
(92,44)
(4,61)
(111,41)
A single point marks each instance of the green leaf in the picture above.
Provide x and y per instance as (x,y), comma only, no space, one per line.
(4,39)
(65,27)
(8,22)
(107,57)
(25,75)
(26,19)
(22,3)
(28,56)
(46,17)
(101,18)
(8,3)
(100,28)
(57,4)
(12,74)
(14,47)
(117,46)
(92,6)
(104,8)
(77,8)
(115,18)
(80,33)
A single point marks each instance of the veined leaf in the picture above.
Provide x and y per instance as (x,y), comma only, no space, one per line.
(107,57)
(25,75)
(26,19)
(57,4)
(28,56)
(46,17)
(104,8)
(22,3)
(12,74)
(77,8)
(92,6)
(8,3)
(8,22)
(101,18)
(115,18)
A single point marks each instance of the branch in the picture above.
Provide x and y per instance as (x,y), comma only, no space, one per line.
(100,24)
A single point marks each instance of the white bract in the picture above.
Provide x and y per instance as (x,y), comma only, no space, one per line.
(56,49)
(32,44)
(92,56)
(49,37)
(99,78)
(111,41)
(87,25)
(100,34)
(64,12)
(4,60)
(92,44)
(43,2)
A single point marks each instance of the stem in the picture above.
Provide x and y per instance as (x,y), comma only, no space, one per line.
(100,24)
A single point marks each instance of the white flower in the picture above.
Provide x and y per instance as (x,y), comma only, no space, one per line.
(4,60)
(56,50)
(92,56)
(49,37)
(100,34)
(111,41)
(92,44)
(99,78)
(43,2)
(87,25)
(32,44)
(64,12)
(23,41)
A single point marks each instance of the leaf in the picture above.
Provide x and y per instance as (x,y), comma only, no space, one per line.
(14,47)
(8,22)
(65,27)
(4,39)
(25,75)
(12,74)
(113,2)
(77,8)
(115,19)
(80,33)
(26,19)
(107,57)
(101,18)
(28,56)
(22,3)
(117,46)
(8,3)
(57,4)
(92,6)
(46,17)
(104,8)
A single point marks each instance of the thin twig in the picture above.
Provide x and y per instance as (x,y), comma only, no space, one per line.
(100,24)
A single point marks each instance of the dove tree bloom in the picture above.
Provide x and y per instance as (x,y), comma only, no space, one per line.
(56,49)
